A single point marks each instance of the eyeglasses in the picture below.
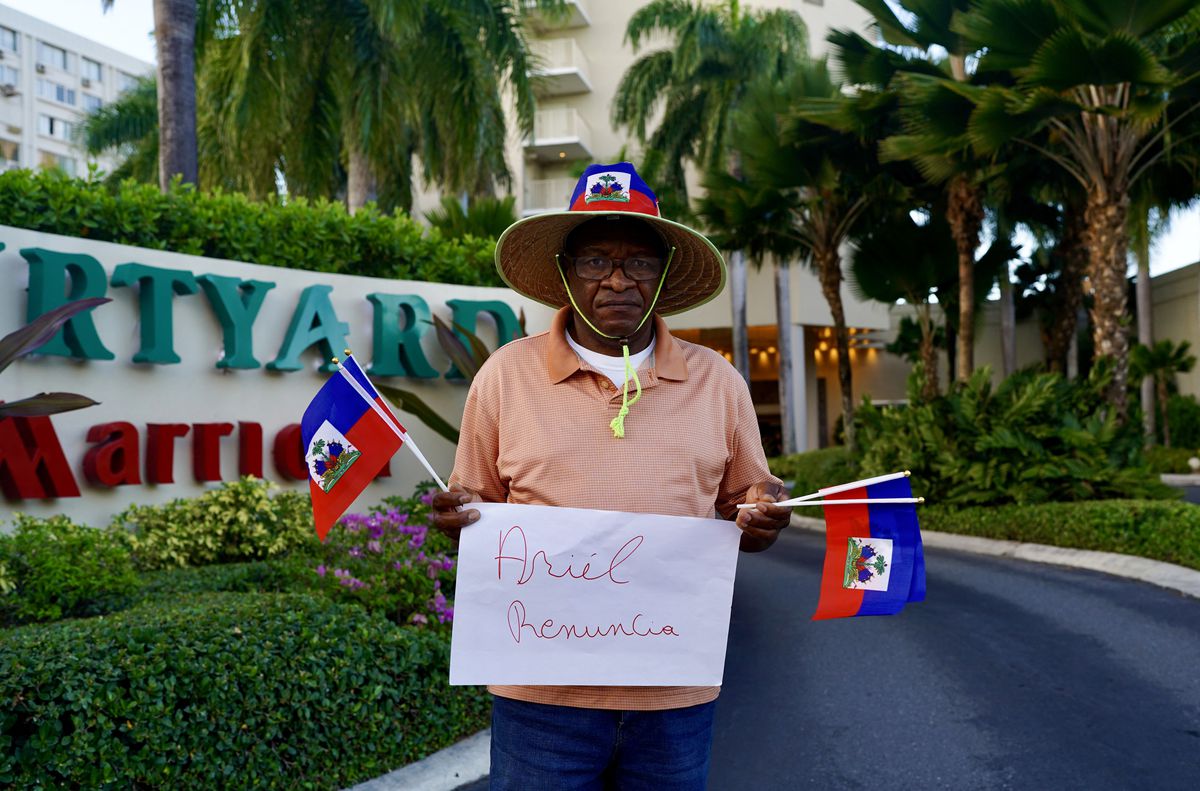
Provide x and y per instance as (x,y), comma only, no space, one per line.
(590,267)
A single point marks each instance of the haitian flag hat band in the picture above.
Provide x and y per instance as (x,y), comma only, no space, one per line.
(525,253)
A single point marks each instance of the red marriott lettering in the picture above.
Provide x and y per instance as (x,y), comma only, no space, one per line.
(33,465)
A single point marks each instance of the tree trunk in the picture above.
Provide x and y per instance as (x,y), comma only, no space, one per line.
(965,215)
(929,361)
(1162,399)
(175,38)
(737,294)
(1108,246)
(1008,324)
(1145,321)
(829,272)
(359,179)
(1071,252)
(783,322)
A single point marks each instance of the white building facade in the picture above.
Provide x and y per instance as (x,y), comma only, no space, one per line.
(49,79)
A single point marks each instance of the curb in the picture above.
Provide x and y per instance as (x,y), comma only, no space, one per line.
(1156,572)
(457,765)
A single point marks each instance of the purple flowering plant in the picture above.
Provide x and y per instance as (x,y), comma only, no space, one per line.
(391,560)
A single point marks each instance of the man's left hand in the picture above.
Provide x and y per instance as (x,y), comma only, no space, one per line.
(761,525)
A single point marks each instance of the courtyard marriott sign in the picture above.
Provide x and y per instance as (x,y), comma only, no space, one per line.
(202,368)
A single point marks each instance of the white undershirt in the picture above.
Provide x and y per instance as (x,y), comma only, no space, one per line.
(612,367)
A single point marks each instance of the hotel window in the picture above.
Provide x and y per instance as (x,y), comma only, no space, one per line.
(125,81)
(90,70)
(8,39)
(9,76)
(55,91)
(65,164)
(50,55)
(92,103)
(50,126)
(10,153)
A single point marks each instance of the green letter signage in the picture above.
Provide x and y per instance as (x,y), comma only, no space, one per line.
(48,273)
(466,315)
(156,290)
(314,322)
(399,324)
(236,303)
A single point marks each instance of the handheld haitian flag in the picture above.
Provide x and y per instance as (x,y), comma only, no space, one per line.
(874,561)
(349,433)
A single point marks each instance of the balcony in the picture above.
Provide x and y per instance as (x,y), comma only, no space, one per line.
(559,135)
(573,14)
(562,68)
(542,195)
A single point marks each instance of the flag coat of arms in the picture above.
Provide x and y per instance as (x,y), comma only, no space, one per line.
(874,561)
(349,433)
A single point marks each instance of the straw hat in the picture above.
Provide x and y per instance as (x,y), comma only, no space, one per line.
(525,253)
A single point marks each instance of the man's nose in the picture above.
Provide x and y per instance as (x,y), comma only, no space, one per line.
(617,280)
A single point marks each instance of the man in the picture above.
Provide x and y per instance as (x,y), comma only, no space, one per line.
(550,421)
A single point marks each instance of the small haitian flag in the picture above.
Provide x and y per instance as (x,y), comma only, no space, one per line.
(874,562)
(349,433)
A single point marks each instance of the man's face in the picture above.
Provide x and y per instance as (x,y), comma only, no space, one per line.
(616,303)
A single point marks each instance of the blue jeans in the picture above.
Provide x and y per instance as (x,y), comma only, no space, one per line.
(536,747)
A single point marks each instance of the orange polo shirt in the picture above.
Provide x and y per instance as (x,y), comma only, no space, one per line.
(535,431)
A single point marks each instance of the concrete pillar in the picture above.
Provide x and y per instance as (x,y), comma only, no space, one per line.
(799,384)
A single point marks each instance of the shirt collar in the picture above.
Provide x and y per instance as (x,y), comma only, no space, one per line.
(562,361)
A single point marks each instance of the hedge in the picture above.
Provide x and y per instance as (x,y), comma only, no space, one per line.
(1156,529)
(52,568)
(813,469)
(190,696)
(299,234)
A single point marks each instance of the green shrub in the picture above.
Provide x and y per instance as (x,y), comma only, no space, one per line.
(239,521)
(1169,460)
(299,234)
(1037,437)
(1167,531)
(1183,414)
(53,568)
(226,691)
(814,469)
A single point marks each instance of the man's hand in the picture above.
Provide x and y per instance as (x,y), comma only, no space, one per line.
(446,514)
(761,525)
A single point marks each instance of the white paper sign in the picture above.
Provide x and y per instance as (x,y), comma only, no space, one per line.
(573,596)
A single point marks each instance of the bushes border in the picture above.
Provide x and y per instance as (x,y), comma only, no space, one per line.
(316,235)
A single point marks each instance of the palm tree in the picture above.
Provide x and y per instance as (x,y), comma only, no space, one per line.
(914,46)
(899,259)
(486,218)
(175,38)
(1114,85)
(804,192)
(127,127)
(716,51)
(347,92)
(1160,363)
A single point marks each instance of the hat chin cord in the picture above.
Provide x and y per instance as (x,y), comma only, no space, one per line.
(618,423)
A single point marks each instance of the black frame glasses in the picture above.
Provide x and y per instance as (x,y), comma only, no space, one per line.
(597,267)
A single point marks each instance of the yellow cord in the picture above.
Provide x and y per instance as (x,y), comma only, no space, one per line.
(618,423)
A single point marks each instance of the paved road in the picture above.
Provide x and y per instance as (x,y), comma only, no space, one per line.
(1011,676)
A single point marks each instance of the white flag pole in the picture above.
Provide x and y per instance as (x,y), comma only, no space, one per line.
(787,504)
(391,420)
(841,487)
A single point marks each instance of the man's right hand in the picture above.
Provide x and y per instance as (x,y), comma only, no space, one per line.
(446,514)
